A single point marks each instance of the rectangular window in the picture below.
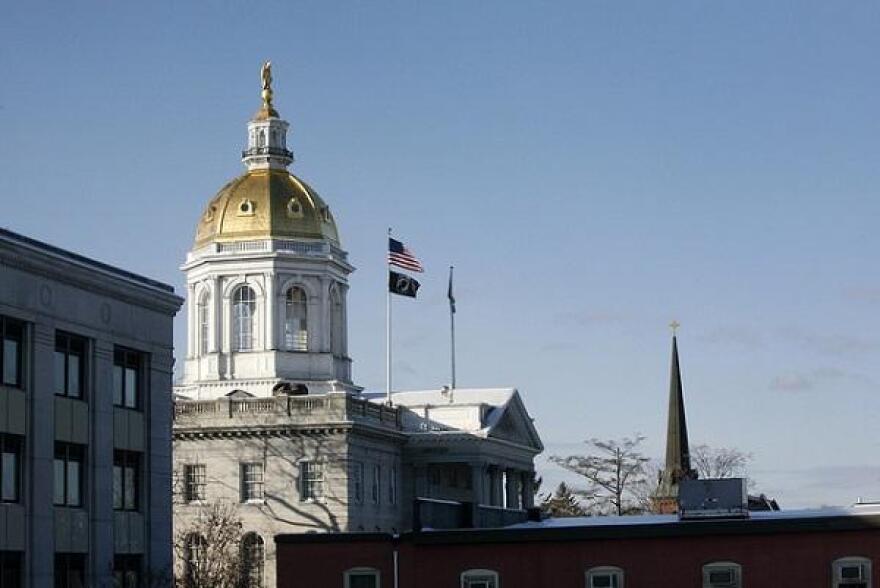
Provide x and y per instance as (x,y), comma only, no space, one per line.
(361,578)
(479,579)
(357,482)
(10,468)
(127,379)
(69,470)
(70,570)
(12,343)
(852,572)
(126,480)
(251,481)
(126,571)
(392,485)
(70,365)
(375,482)
(194,482)
(311,475)
(10,569)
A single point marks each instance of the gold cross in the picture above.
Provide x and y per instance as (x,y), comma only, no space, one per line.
(674,326)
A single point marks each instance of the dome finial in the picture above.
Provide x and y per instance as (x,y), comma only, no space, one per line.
(266,80)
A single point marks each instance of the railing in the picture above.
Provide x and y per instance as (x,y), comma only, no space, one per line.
(304,248)
(266,151)
(334,407)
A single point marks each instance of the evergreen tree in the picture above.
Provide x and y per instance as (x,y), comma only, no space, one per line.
(562,504)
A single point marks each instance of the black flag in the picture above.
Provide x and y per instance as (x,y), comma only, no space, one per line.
(402,285)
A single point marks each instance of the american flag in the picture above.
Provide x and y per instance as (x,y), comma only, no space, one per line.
(400,256)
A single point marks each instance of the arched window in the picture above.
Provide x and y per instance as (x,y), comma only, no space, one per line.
(196,551)
(204,317)
(336,343)
(851,572)
(479,579)
(296,320)
(605,577)
(722,574)
(361,578)
(252,554)
(244,305)
(261,138)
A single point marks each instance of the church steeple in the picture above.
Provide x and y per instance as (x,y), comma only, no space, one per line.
(678,458)
(267,132)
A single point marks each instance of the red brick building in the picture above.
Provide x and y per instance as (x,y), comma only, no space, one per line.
(837,548)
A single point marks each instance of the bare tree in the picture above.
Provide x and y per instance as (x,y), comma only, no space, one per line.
(208,549)
(719,462)
(563,503)
(614,469)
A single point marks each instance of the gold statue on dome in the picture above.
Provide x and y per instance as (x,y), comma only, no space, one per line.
(266,79)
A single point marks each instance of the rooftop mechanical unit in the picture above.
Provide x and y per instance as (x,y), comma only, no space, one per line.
(713,498)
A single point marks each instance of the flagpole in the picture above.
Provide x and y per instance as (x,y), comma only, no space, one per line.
(452,327)
(388,327)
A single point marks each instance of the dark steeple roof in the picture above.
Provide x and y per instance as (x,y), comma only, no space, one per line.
(678,455)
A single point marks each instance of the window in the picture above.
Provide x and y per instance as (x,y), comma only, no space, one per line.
(126,480)
(605,577)
(12,342)
(195,550)
(70,368)
(252,554)
(336,346)
(194,482)
(296,330)
(479,579)
(851,572)
(127,378)
(70,570)
(392,485)
(10,468)
(204,316)
(244,305)
(374,483)
(722,574)
(251,481)
(10,569)
(311,475)
(357,481)
(361,578)
(127,571)
(69,469)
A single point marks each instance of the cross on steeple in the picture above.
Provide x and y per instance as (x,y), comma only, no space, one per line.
(674,326)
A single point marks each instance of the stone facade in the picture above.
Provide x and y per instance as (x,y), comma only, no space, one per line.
(86,466)
(267,416)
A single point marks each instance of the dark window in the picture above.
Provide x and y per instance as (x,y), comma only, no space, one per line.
(252,554)
(194,482)
(70,570)
(364,579)
(196,553)
(10,468)
(127,571)
(10,569)
(126,480)
(127,380)
(70,365)
(251,481)
(11,345)
(69,474)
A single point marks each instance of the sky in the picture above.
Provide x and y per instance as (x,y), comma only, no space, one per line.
(593,170)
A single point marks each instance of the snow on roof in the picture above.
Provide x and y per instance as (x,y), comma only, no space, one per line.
(651,519)
(445,396)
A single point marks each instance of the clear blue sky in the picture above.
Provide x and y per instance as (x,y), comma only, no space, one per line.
(593,169)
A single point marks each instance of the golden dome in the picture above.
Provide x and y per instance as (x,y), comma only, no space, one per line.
(266,203)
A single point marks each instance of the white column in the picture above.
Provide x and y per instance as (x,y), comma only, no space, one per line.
(271,338)
(215,342)
(191,340)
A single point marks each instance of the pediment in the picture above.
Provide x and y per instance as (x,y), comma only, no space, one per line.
(515,425)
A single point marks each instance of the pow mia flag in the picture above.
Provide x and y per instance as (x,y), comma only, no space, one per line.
(402,285)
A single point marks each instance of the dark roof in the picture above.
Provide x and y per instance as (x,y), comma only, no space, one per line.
(678,454)
(83,260)
(609,528)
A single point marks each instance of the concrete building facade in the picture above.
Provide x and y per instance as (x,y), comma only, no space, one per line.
(85,419)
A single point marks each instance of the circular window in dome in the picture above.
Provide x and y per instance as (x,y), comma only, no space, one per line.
(294,208)
(325,214)
(209,214)
(246,208)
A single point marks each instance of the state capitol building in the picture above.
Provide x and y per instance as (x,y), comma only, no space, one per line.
(268,419)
